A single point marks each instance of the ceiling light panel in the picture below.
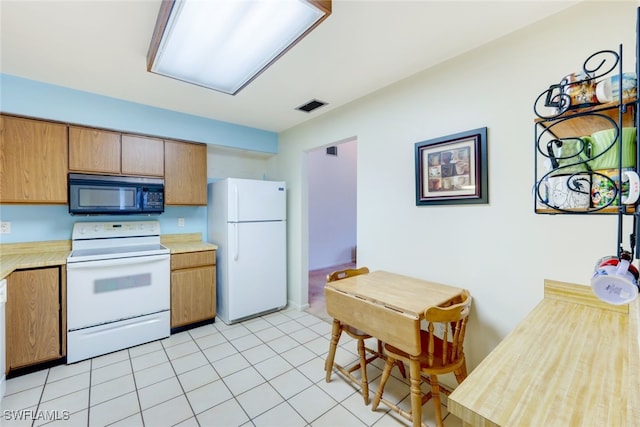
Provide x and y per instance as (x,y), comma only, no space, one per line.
(224,44)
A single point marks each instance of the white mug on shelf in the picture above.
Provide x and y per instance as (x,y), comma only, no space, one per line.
(608,89)
(634,187)
(565,191)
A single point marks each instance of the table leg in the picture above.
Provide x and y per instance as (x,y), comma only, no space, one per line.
(335,336)
(416,393)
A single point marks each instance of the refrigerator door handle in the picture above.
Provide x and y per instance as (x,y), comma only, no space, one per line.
(236,254)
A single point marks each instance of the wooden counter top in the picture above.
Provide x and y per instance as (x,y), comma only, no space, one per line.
(15,256)
(188,242)
(573,361)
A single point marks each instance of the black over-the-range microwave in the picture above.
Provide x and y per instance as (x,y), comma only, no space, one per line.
(115,195)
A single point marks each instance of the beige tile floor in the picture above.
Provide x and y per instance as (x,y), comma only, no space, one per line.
(266,371)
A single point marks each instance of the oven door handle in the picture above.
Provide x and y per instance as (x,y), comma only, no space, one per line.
(116,262)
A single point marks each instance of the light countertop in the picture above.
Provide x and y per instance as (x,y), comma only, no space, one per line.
(189,242)
(573,361)
(16,256)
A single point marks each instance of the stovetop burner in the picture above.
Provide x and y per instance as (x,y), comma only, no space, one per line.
(116,252)
(107,240)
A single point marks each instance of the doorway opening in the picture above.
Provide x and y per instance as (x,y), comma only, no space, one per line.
(332,198)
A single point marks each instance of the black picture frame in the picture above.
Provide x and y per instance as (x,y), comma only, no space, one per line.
(452,169)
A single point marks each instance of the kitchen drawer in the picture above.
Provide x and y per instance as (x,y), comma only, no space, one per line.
(192,259)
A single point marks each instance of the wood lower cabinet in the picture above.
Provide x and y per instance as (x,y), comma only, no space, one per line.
(33,161)
(33,317)
(193,287)
(185,173)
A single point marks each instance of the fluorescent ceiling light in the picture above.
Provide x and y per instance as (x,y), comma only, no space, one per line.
(225,44)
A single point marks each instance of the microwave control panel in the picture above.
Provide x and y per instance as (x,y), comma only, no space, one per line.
(152,199)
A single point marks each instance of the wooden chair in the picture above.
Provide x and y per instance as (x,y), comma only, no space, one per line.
(356,334)
(439,355)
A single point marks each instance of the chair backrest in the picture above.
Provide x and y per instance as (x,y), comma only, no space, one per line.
(343,274)
(453,321)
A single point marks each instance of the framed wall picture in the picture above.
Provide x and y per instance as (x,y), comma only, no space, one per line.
(452,169)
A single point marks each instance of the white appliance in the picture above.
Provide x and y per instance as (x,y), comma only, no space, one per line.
(247,221)
(3,345)
(118,294)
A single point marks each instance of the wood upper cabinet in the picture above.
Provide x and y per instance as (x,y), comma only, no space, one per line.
(36,156)
(185,173)
(142,155)
(193,287)
(33,317)
(93,150)
(33,161)
(100,151)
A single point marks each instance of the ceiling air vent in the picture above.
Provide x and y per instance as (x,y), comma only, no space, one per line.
(311,105)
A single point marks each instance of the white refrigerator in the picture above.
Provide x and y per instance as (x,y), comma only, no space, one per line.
(247,221)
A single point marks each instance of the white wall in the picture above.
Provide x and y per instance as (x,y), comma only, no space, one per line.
(226,162)
(332,205)
(501,251)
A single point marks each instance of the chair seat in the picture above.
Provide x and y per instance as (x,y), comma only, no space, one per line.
(436,365)
(355,333)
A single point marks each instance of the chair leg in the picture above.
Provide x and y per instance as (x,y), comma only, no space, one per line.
(401,367)
(461,372)
(385,376)
(398,362)
(335,337)
(435,395)
(363,368)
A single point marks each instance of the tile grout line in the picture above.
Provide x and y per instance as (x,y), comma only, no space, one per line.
(304,328)
(135,385)
(89,392)
(267,381)
(33,422)
(285,400)
(234,396)
(184,393)
(220,377)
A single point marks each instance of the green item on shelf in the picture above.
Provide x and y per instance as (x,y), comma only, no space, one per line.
(568,155)
(603,152)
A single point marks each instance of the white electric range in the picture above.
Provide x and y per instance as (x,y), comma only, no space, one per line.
(118,292)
